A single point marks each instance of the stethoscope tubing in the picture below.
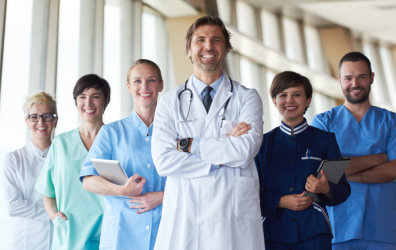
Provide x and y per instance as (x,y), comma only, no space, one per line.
(221,112)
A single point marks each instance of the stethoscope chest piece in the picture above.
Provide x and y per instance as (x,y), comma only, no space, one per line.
(221,112)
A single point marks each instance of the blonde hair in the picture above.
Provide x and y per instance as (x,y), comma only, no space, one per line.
(39,98)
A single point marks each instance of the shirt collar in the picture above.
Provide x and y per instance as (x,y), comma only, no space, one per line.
(297,129)
(37,151)
(200,86)
(141,126)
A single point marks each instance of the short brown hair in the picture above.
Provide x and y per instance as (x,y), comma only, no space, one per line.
(208,20)
(354,56)
(288,79)
(92,81)
(148,62)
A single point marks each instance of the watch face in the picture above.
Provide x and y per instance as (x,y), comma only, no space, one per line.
(183,143)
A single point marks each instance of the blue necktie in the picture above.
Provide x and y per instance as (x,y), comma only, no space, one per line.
(207,99)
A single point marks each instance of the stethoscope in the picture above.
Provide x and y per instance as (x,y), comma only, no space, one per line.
(185,118)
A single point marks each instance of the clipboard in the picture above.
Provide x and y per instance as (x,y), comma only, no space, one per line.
(334,169)
(111,170)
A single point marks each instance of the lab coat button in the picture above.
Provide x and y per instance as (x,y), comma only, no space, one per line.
(147,227)
(148,165)
(204,197)
(147,139)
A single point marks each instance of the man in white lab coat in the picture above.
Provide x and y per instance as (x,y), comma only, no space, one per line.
(211,196)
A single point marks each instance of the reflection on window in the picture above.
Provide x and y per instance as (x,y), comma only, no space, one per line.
(68,64)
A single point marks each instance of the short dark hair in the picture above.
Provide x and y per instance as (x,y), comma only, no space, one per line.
(354,56)
(288,79)
(92,81)
(208,20)
(147,62)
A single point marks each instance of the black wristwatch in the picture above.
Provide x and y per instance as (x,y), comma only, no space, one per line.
(184,143)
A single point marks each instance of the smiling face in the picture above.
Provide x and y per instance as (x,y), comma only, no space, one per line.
(291,104)
(91,105)
(207,49)
(144,83)
(41,130)
(356,79)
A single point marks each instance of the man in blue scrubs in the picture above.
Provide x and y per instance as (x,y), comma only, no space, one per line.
(367,134)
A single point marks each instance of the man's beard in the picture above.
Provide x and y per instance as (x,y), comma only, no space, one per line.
(362,99)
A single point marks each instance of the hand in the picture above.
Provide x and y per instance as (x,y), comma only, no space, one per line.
(60,215)
(134,185)
(318,185)
(295,202)
(240,129)
(147,201)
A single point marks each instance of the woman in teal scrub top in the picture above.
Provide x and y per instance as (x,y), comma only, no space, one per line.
(76,213)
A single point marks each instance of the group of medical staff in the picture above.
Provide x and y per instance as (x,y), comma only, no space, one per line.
(201,175)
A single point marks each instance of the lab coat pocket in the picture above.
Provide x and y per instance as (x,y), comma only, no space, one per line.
(247,198)
(226,127)
(110,228)
(61,233)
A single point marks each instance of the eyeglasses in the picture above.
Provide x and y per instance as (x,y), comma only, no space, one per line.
(46,117)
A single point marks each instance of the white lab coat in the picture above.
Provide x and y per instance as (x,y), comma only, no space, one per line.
(204,209)
(30,226)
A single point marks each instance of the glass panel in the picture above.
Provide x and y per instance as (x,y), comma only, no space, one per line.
(246,19)
(270,30)
(155,46)
(14,88)
(68,64)
(112,70)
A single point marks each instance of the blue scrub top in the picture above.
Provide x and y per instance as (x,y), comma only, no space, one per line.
(285,160)
(129,141)
(370,212)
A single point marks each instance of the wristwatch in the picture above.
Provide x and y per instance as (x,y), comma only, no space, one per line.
(184,143)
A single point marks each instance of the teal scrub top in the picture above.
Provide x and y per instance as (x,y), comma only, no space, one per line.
(59,178)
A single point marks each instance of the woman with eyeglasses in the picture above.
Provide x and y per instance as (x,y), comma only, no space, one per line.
(30,226)
(76,213)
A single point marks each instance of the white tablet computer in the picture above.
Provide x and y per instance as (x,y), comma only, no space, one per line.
(111,170)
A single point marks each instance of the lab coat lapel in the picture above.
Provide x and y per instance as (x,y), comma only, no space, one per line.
(221,97)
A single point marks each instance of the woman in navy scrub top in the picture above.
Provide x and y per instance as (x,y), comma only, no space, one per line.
(287,161)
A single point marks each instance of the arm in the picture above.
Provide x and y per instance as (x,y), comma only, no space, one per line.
(17,205)
(99,185)
(237,151)
(385,172)
(362,163)
(51,209)
(167,159)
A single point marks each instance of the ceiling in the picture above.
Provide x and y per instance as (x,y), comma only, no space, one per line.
(372,19)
